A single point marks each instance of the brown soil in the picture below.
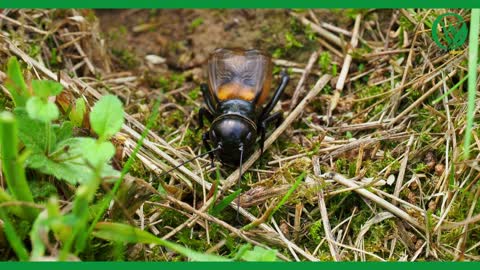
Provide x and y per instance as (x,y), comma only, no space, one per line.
(186,37)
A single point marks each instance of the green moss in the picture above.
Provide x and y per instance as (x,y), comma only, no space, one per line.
(118,33)
(195,24)
(413,94)
(90,16)
(291,41)
(423,123)
(309,33)
(126,58)
(353,12)
(425,137)
(198,244)
(358,54)
(420,168)
(369,93)
(374,167)
(346,167)
(53,57)
(195,93)
(277,53)
(137,168)
(316,231)
(406,23)
(325,62)
(42,190)
(166,82)
(177,80)
(34,50)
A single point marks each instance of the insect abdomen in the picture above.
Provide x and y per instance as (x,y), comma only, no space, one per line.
(235,90)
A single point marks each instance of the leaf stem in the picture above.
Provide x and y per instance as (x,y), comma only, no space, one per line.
(13,168)
(472,78)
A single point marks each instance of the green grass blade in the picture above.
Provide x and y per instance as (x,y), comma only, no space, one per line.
(13,238)
(280,204)
(128,234)
(289,192)
(224,203)
(15,210)
(215,191)
(472,78)
(451,90)
(83,197)
(15,83)
(126,168)
(13,168)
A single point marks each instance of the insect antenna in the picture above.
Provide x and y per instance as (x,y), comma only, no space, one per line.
(238,181)
(190,160)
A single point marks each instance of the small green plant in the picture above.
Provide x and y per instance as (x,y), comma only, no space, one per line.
(50,148)
(325,61)
(125,58)
(195,23)
(310,33)
(291,41)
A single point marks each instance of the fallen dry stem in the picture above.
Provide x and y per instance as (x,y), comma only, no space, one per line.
(417,102)
(326,226)
(320,30)
(299,89)
(403,168)
(381,202)
(345,67)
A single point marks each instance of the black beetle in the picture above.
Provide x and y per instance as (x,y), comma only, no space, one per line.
(238,86)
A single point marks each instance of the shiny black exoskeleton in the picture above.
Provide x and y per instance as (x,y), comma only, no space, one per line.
(239,83)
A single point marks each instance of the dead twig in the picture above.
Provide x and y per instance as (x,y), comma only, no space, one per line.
(401,173)
(421,99)
(300,88)
(345,68)
(320,30)
(381,202)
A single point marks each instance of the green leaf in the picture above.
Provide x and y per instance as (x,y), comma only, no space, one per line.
(107,116)
(128,234)
(63,132)
(259,254)
(78,112)
(46,88)
(42,110)
(97,152)
(16,84)
(68,162)
(33,133)
(12,164)
(224,203)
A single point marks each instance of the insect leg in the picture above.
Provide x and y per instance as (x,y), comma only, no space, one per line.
(238,182)
(277,117)
(207,96)
(277,94)
(262,136)
(205,139)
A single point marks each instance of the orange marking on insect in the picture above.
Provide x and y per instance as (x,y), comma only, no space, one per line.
(235,91)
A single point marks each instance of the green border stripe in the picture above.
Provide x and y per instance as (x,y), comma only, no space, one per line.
(239,3)
(243,265)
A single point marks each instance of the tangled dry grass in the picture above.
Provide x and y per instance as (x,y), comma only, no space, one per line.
(381,151)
